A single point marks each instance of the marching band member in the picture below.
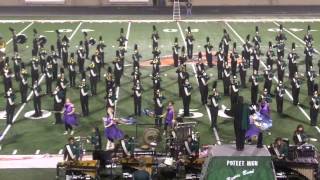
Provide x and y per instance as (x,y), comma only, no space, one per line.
(23,83)
(234,59)
(110,99)
(203,86)
(234,93)
(14,39)
(118,69)
(208,47)
(81,56)
(72,70)
(49,78)
(71,151)
(17,65)
(7,77)
(122,39)
(136,56)
(308,37)
(192,147)
(169,116)
(155,37)
(279,149)
(243,72)
(175,52)
(308,51)
(36,89)
(34,69)
(84,96)
(58,97)
(54,58)
(186,97)
(189,40)
(109,81)
(292,58)
(183,57)
(100,48)
(158,107)
(62,82)
(95,139)
(299,137)
(10,105)
(280,38)
(97,60)
(156,80)
(35,42)
(310,81)
(270,54)
(225,42)
(43,58)
(93,78)
(280,69)
(213,103)
(64,50)
(255,60)
(279,91)
(86,44)
(155,65)
(220,60)
(254,87)
(247,51)
(137,97)
(69,117)
(127,145)
(268,75)
(257,40)
(58,44)
(314,106)
(295,84)
(182,76)
(226,79)
(111,131)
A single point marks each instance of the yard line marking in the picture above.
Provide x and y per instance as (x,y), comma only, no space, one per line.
(60,151)
(166,21)
(276,79)
(125,46)
(194,70)
(292,34)
(30,94)
(8,42)
(37,152)
(14,152)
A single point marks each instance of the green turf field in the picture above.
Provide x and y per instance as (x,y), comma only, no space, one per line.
(27,135)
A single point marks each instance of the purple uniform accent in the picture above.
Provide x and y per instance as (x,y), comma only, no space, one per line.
(112,132)
(69,119)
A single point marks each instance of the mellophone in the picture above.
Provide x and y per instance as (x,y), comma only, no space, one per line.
(88,168)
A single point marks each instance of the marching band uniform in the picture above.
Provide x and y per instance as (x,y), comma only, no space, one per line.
(208,47)
(220,60)
(308,37)
(310,81)
(203,86)
(246,53)
(110,99)
(137,96)
(54,58)
(243,73)
(192,147)
(314,107)
(299,137)
(295,84)
(43,59)
(234,60)
(35,42)
(183,57)
(118,70)
(256,60)
(155,37)
(158,107)
(136,56)
(58,44)
(14,40)
(156,79)
(122,39)
(10,105)
(182,75)
(64,51)
(279,91)
(84,96)
(292,58)
(234,93)
(189,40)
(280,38)
(241,115)
(72,70)
(17,66)
(225,42)
(71,151)
(186,97)
(155,65)
(175,52)
(97,60)
(37,99)
(100,48)
(23,83)
(254,87)
(110,84)
(93,78)
(34,69)
(63,85)
(268,75)
(7,78)
(58,97)
(49,78)
(81,57)
(280,69)
(226,79)
(270,54)
(213,103)
(257,40)
(86,45)
(309,55)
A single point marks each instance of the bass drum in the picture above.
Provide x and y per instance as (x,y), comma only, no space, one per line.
(151,135)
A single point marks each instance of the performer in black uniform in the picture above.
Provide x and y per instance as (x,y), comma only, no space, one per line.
(241,116)
(34,69)
(234,93)
(156,80)
(213,104)
(226,79)
(110,99)
(208,47)
(311,75)
(54,58)
(23,83)
(7,77)
(183,56)
(136,56)
(234,59)
(155,37)
(158,107)
(81,57)
(182,75)
(137,97)
(118,69)
(36,89)
(100,48)
(203,86)
(58,97)
(122,39)
(84,96)
(62,82)
(93,78)
(49,78)
(308,51)
(295,84)
(35,42)
(270,54)
(243,72)
(72,70)
(268,75)
(292,58)
(43,58)
(279,91)
(314,106)
(109,81)
(16,65)
(189,40)
(220,60)
(254,87)
(86,44)
(14,40)
(308,38)
(10,105)
(175,52)
(186,97)
(247,51)
(280,38)
(256,40)
(64,51)
(225,43)
(280,69)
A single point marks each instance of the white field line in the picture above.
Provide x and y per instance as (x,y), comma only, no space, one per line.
(37,152)
(30,95)
(160,21)
(292,34)
(8,42)
(275,78)
(14,152)
(126,46)
(194,70)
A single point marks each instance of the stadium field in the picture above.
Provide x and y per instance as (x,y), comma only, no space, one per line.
(28,136)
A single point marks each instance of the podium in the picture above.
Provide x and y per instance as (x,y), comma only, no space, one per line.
(226,163)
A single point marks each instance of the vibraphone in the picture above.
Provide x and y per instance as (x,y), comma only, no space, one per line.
(79,168)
